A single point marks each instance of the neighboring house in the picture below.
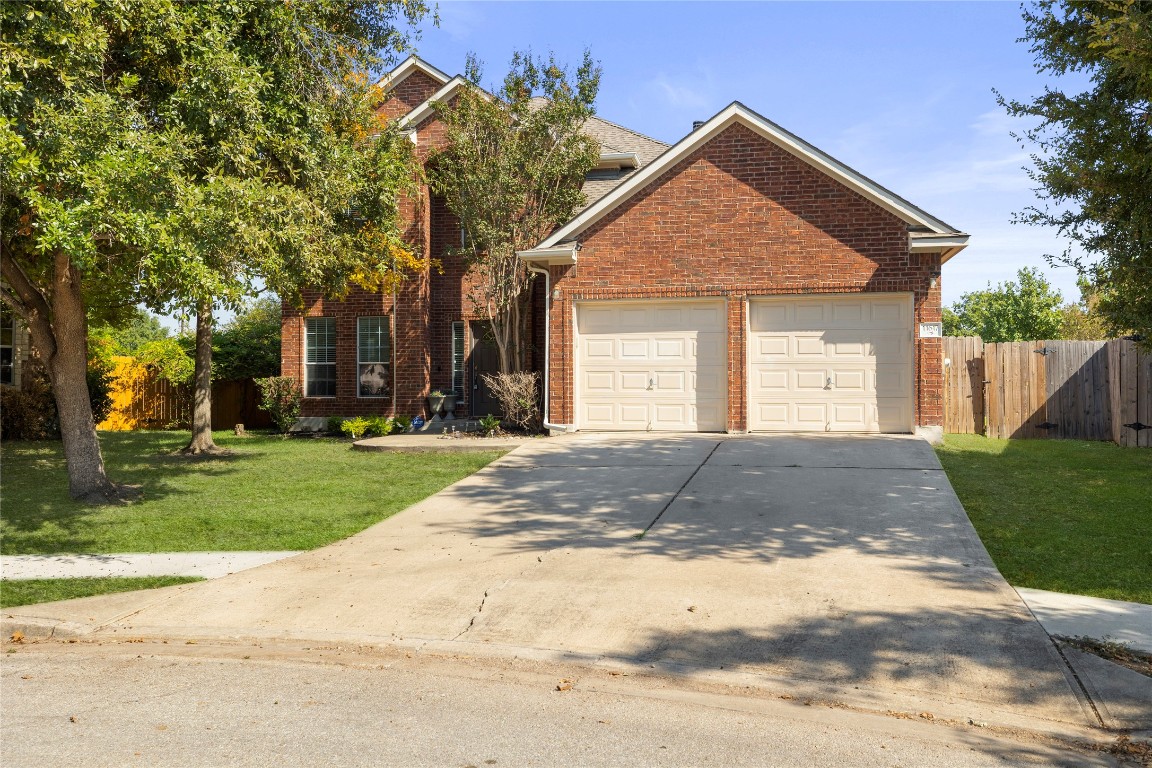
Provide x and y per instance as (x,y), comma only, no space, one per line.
(738,280)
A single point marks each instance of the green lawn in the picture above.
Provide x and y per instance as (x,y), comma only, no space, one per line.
(272,494)
(1063,515)
(32,591)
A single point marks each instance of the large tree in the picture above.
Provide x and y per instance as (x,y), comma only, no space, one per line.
(511,171)
(1025,310)
(174,153)
(1094,159)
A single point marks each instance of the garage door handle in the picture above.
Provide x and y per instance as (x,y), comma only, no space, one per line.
(829,384)
(651,383)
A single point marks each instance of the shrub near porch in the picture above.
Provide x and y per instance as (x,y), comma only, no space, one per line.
(272,494)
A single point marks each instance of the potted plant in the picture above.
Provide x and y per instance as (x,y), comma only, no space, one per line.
(450,406)
(436,400)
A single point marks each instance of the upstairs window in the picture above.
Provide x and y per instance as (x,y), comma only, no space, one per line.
(373,357)
(320,357)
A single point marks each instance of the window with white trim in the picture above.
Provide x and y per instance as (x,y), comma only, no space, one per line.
(373,357)
(320,357)
(458,358)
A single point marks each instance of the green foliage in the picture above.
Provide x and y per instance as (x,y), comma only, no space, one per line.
(489,425)
(128,335)
(170,358)
(380,426)
(1062,515)
(249,346)
(511,171)
(179,153)
(1082,320)
(1012,311)
(355,427)
(401,424)
(267,494)
(28,413)
(32,591)
(280,396)
(333,426)
(1093,164)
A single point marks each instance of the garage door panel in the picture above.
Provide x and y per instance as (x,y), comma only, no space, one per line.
(652,365)
(833,363)
(671,381)
(811,379)
(632,382)
(676,349)
(769,379)
(808,346)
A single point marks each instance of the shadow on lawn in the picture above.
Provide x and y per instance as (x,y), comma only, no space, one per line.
(39,510)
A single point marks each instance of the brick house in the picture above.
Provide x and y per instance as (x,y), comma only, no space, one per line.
(738,280)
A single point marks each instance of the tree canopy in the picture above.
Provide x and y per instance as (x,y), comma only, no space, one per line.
(511,171)
(176,153)
(1093,162)
(1025,310)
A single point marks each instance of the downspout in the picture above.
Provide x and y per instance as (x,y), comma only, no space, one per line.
(547,345)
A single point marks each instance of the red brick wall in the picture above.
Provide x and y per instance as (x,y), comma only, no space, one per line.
(741,217)
(409,93)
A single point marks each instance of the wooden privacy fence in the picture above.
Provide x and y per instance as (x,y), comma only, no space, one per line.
(1083,390)
(149,402)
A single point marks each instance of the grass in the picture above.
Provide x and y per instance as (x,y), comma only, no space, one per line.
(1062,515)
(271,494)
(33,591)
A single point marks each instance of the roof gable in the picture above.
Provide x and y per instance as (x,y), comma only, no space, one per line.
(737,113)
(405,68)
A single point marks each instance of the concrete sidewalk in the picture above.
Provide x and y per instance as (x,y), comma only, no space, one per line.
(210,565)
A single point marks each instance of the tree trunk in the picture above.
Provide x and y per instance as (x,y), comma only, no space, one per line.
(201,441)
(58,326)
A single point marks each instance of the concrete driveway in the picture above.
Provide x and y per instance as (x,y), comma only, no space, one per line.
(843,565)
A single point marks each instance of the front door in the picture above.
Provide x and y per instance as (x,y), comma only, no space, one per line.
(484,359)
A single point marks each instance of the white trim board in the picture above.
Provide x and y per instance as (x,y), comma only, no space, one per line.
(405,68)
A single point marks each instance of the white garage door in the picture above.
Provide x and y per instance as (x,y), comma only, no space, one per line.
(651,366)
(831,364)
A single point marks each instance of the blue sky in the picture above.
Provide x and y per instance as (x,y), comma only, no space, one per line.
(900,91)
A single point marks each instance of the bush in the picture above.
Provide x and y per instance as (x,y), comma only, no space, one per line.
(489,425)
(380,425)
(334,423)
(401,424)
(29,413)
(518,395)
(355,428)
(280,396)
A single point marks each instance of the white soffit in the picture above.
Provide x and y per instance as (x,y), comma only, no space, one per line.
(560,254)
(411,64)
(738,113)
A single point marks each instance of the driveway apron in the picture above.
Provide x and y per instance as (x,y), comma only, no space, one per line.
(844,561)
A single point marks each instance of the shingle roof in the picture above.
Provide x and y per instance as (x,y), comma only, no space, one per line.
(615,138)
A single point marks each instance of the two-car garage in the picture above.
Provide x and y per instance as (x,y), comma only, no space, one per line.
(815,363)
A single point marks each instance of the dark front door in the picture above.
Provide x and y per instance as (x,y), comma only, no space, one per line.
(485,358)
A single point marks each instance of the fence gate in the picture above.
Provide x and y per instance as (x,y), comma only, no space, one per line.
(1130,390)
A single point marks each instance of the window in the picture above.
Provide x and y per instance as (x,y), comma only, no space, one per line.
(458,358)
(374,356)
(320,357)
(7,347)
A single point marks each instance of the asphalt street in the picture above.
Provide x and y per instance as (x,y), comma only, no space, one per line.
(148,703)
